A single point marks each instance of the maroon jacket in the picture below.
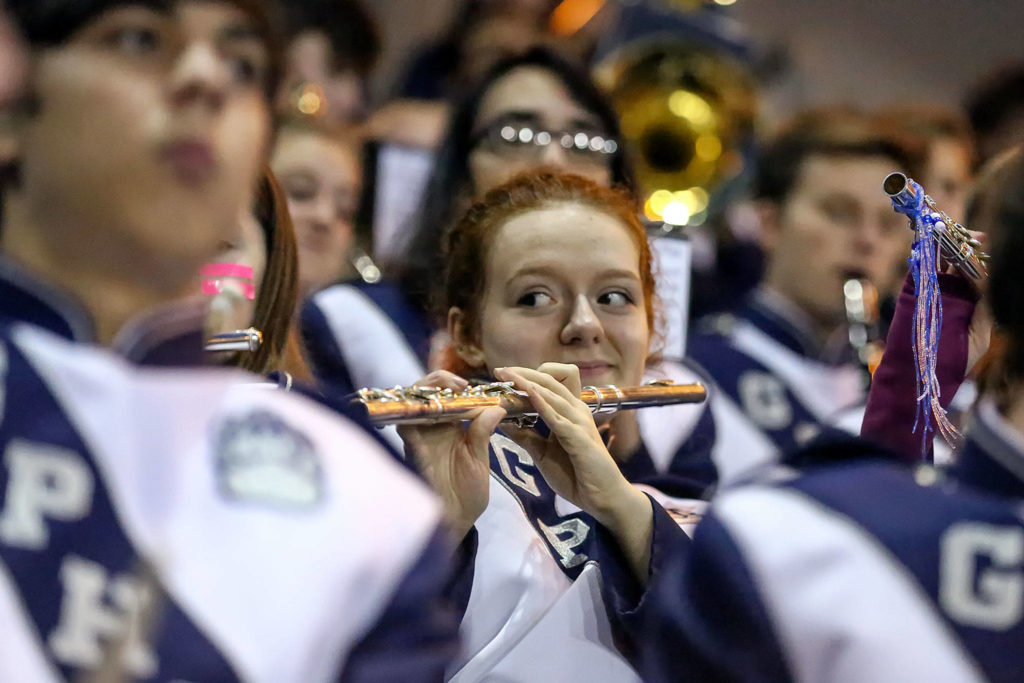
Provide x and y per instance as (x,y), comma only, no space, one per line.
(892,400)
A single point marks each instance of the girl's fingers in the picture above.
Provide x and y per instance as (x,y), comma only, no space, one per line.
(443,379)
(480,430)
(544,380)
(556,396)
(566,374)
(565,419)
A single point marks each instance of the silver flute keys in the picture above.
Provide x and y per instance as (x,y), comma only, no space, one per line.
(429,405)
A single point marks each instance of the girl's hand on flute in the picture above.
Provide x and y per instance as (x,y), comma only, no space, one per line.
(455,459)
(576,463)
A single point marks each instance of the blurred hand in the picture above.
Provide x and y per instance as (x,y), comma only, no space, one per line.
(414,123)
(980,333)
(453,458)
(979,336)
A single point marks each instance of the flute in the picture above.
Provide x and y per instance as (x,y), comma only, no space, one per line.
(431,405)
(957,245)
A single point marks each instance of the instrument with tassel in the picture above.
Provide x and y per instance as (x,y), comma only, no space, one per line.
(935,232)
(430,405)
(958,247)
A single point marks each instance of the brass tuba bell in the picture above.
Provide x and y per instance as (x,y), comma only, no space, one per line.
(686,113)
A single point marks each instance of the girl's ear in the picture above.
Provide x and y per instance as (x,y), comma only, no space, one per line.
(466,345)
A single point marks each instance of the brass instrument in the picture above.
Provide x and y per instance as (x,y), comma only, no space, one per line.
(240,340)
(687,114)
(956,243)
(430,405)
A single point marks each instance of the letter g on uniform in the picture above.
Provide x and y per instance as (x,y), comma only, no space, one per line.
(981,582)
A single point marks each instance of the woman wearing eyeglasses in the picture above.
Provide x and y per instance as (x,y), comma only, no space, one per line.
(528,113)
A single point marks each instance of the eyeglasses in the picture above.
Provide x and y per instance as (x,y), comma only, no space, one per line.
(529,142)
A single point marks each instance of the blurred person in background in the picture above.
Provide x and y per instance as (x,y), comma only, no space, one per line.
(949,160)
(320,173)
(530,112)
(996,110)
(175,524)
(481,34)
(784,360)
(332,47)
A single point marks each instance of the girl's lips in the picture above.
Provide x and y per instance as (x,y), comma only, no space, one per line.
(192,160)
(592,369)
(591,365)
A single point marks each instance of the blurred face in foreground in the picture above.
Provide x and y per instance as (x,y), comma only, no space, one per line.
(150,130)
(563,284)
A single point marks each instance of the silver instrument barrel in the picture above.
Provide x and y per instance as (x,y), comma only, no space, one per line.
(956,243)
(240,340)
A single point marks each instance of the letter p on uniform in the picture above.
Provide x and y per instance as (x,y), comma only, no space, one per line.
(44,482)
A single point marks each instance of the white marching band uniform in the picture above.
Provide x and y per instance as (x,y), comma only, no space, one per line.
(774,394)
(535,610)
(190,525)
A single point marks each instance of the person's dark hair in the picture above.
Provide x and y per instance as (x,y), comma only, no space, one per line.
(449,187)
(834,132)
(278,290)
(48,23)
(435,70)
(349,26)
(999,209)
(995,100)
(467,245)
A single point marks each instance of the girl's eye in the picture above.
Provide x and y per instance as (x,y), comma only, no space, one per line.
(248,71)
(136,40)
(534,299)
(615,298)
(300,191)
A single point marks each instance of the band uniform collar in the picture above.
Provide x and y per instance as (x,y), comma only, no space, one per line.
(777,317)
(26,298)
(993,457)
